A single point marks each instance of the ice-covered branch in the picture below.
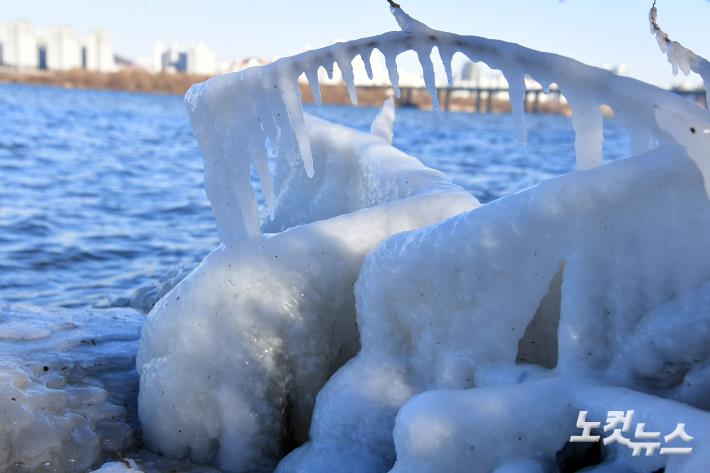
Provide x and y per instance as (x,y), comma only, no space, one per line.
(680,57)
(241,118)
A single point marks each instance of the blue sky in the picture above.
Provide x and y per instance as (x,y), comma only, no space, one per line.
(597,32)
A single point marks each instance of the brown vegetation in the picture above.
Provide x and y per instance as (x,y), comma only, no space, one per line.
(138,80)
(132,80)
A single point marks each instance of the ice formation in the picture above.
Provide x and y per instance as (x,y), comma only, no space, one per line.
(240,119)
(554,276)
(463,318)
(231,360)
(680,57)
(66,381)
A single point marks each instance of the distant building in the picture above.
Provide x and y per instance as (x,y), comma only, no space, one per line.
(169,59)
(470,73)
(195,59)
(58,48)
(19,45)
(97,53)
(201,60)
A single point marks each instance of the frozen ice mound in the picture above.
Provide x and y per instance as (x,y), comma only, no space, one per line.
(535,298)
(526,423)
(67,387)
(599,275)
(231,360)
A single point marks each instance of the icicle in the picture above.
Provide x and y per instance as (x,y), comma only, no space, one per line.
(588,123)
(267,182)
(312,77)
(291,96)
(424,55)
(383,124)
(264,106)
(391,65)
(346,70)
(516,90)
(284,141)
(366,57)
(447,56)
(330,70)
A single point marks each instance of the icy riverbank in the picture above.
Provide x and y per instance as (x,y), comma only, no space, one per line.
(377,318)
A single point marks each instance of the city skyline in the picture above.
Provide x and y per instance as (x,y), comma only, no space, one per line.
(62,48)
(625,27)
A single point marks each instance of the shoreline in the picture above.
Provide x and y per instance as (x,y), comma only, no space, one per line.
(140,81)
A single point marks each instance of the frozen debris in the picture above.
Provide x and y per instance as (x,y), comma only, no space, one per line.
(66,379)
(232,359)
(241,119)
(680,57)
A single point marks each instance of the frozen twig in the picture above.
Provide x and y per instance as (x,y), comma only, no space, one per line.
(678,55)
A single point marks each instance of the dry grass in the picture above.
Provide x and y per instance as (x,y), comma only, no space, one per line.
(137,80)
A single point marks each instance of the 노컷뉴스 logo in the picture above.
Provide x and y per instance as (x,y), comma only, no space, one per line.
(619,423)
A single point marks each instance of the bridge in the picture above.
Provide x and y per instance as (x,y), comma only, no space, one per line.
(496,99)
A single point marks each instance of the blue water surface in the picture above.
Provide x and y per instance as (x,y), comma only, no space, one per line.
(101,192)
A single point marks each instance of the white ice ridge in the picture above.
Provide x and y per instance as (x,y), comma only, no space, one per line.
(243,118)
(680,57)
(125,466)
(601,275)
(232,359)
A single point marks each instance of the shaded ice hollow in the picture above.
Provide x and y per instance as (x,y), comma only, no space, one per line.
(384,320)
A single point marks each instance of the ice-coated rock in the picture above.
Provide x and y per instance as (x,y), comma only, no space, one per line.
(232,359)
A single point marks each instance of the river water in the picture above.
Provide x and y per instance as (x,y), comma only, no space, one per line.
(101,193)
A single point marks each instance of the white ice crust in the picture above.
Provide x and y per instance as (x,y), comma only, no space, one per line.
(385,322)
(125,466)
(555,276)
(66,379)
